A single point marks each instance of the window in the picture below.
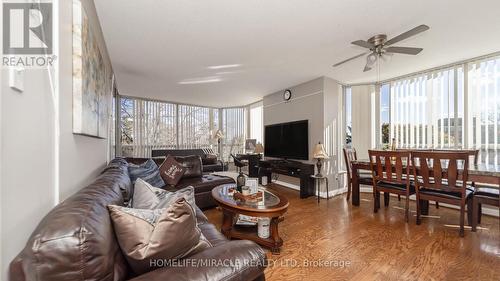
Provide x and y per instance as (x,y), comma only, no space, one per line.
(433,110)
(427,111)
(233,127)
(385,126)
(147,125)
(348,116)
(256,122)
(483,126)
(196,126)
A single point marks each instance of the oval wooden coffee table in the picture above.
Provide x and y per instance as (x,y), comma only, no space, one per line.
(273,206)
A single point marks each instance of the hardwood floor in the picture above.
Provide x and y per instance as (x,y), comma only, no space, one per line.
(378,246)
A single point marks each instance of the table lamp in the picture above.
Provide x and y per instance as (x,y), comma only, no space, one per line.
(259,148)
(320,154)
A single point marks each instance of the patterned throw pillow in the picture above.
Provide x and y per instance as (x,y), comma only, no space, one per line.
(147,196)
(148,171)
(210,159)
(159,234)
(171,171)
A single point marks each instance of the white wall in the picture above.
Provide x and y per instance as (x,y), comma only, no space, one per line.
(80,157)
(28,173)
(320,102)
(333,129)
(363,121)
(42,162)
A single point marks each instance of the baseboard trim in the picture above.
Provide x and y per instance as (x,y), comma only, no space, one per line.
(486,210)
(322,194)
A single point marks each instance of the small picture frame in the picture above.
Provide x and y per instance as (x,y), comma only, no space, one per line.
(253,183)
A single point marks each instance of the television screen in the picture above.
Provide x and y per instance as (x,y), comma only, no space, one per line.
(287,140)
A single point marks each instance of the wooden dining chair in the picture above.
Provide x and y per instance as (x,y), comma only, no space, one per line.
(473,155)
(364,178)
(483,195)
(442,177)
(239,163)
(391,174)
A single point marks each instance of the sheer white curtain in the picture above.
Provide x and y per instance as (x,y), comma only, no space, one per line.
(363,118)
(484,109)
(427,110)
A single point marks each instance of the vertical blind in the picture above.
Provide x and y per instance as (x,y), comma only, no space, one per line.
(483,124)
(427,111)
(196,126)
(146,125)
(234,128)
(433,110)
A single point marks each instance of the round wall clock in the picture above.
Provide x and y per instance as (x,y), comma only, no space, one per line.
(287,95)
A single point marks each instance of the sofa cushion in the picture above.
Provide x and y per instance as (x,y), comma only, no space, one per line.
(159,234)
(192,164)
(147,196)
(201,184)
(148,171)
(171,171)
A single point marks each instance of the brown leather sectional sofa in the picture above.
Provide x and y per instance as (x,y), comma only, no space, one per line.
(75,241)
(194,176)
(209,164)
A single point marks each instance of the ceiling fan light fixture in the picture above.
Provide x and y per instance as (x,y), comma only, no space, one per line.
(378,46)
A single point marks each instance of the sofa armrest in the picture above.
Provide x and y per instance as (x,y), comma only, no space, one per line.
(234,260)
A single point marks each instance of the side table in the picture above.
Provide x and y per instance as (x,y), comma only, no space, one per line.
(317,182)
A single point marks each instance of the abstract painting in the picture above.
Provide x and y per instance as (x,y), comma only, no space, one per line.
(92,78)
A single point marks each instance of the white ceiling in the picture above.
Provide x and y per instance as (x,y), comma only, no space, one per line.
(156,45)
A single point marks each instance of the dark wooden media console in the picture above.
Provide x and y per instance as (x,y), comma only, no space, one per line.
(295,169)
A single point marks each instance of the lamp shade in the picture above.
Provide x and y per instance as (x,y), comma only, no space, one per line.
(259,148)
(319,152)
(218,134)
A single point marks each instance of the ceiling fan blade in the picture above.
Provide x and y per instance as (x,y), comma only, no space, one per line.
(403,50)
(355,57)
(363,44)
(409,33)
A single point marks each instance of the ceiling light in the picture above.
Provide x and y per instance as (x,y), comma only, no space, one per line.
(224,66)
(227,72)
(202,80)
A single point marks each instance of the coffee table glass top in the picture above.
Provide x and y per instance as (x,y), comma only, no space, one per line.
(270,200)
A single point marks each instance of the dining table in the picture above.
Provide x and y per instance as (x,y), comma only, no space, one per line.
(478,173)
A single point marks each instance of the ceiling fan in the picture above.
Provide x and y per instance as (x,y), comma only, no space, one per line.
(379,47)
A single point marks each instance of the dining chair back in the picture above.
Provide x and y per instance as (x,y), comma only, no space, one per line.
(441,176)
(390,166)
(391,174)
(349,156)
(238,162)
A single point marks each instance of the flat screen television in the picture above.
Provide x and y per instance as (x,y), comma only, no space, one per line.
(287,140)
